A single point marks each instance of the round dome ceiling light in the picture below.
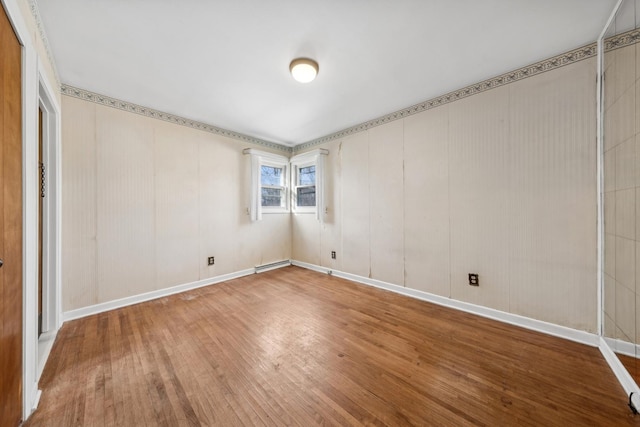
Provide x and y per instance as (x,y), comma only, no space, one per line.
(303,70)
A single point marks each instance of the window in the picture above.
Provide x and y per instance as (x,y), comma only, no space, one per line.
(304,186)
(269,183)
(272,186)
(307,182)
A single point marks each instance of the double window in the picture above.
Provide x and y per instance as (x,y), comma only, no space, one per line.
(278,183)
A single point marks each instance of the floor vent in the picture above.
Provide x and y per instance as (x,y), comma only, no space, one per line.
(272,266)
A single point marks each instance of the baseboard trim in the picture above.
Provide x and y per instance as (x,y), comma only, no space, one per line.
(582,337)
(272,266)
(621,373)
(36,400)
(45,344)
(623,347)
(135,299)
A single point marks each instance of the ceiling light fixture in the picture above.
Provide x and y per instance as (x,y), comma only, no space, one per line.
(303,70)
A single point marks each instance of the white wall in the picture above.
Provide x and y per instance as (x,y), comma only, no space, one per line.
(145,202)
(502,183)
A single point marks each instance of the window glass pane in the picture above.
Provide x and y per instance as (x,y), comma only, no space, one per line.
(307,175)
(271,197)
(270,175)
(306,196)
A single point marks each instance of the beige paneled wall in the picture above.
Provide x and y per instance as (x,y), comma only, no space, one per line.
(479,147)
(552,188)
(145,202)
(502,183)
(622,194)
(79,205)
(125,193)
(426,202)
(331,233)
(356,211)
(386,200)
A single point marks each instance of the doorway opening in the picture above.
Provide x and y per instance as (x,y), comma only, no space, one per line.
(47,167)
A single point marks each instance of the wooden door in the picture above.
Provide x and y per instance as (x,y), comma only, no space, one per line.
(10,225)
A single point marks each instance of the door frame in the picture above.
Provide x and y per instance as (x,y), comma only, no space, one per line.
(51,244)
(35,80)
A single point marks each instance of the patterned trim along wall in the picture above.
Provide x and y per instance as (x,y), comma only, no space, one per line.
(155,114)
(553,63)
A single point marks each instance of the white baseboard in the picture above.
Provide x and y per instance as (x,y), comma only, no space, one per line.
(135,299)
(623,347)
(513,319)
(621,373)
(45,344)
(36,400)
(312,267)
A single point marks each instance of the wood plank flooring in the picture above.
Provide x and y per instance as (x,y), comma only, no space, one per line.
(296,347)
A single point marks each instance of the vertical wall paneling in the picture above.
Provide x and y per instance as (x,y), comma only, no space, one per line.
(220,206)
(551,191)
(330,234)
(79,207)
(248,246)
(177,227)
(426,201)
(386,202)
(126,223)
(306,238)
(274,238)
(355,205)
(479,184)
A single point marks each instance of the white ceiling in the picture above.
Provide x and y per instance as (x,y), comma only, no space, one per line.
(225,62)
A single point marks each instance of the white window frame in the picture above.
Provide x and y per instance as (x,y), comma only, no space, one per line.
(295,167)
(258,159)
(284,207)
(310,158)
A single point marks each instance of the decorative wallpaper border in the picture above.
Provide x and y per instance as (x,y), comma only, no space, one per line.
(33,6)
(622,40)
(155,114)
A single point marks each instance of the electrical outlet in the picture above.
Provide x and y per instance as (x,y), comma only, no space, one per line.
(333,254)
(211,260)
(474,280)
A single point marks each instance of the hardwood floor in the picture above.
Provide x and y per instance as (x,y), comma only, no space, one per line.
(296,347)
